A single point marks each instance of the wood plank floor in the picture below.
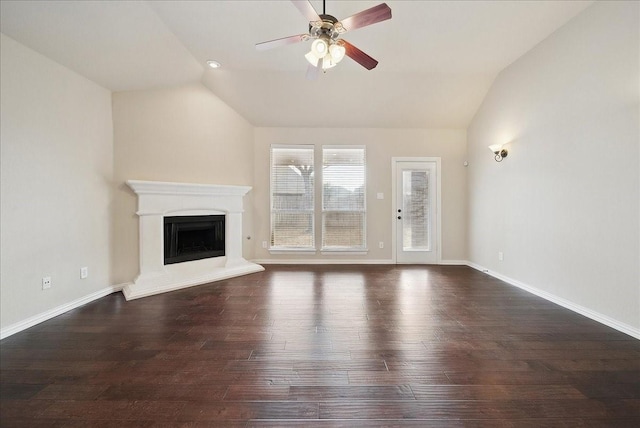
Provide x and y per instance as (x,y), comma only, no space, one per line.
(324,346)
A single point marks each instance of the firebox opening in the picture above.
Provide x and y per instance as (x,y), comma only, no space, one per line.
(189,238)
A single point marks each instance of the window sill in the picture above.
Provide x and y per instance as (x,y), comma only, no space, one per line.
(340,251)
(292,250)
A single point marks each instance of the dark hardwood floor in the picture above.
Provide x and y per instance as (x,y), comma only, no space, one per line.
(321,346)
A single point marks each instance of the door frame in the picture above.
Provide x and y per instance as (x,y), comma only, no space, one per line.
(438,237)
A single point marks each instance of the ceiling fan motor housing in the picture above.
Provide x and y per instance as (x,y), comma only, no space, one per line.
(327,26)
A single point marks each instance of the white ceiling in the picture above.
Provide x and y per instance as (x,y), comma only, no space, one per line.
(437,58)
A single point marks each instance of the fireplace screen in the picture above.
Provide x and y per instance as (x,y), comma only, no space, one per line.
(189,238)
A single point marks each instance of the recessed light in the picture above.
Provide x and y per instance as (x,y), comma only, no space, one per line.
(213,64)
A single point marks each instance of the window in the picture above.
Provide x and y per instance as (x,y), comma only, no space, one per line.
(343,206)
(343,198)
(292,197)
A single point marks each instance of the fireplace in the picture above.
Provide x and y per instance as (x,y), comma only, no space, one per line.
(189,238)
(200,225)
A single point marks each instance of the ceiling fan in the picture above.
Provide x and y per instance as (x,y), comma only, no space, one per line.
(327,48)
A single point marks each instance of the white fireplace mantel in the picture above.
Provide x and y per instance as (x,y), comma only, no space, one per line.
(159,199)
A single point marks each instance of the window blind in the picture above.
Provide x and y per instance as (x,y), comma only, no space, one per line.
(343,198)
(292,197)
(415,209)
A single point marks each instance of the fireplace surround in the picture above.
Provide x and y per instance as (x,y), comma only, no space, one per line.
(160,200)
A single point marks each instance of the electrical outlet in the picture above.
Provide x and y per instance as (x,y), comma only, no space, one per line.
(380,244)
(500,255)
(46,282)
(264,244)
(84,272)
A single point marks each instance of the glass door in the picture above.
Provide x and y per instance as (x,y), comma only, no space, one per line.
(416,212)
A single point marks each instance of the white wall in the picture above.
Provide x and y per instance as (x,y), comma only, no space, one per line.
(563,206)
(56,171)
(381,145)
(182,134)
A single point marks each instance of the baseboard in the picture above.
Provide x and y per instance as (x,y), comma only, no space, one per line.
(346,262)
(322,262)
(589,313)
(44,316)
(454,262)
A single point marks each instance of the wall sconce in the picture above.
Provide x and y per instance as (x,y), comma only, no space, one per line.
(499,152)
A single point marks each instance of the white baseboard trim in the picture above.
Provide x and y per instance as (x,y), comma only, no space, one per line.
(589,313)
(51,313)
(454,262)
(346,262)
(336,261)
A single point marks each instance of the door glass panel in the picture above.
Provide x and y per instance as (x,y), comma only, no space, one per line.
(415,210)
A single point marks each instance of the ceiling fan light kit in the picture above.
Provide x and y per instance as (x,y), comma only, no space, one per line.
(337,51)
(324,49)
(327,48)
(319,48)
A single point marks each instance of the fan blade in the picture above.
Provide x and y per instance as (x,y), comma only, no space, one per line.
(281,42)
(378,13)
(358,56)
(306,9)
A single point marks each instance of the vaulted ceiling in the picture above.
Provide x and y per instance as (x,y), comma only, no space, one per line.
(437,58)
